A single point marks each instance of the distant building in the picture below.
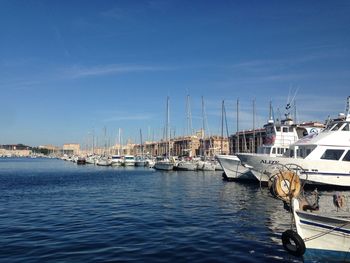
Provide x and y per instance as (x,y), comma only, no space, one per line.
(71,148)
(50,148)
(210,146)
(187,146)
(12,150)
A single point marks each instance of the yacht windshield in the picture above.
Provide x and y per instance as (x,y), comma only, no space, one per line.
(337,126)
(346,127)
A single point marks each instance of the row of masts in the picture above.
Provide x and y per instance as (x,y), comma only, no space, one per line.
(205,127)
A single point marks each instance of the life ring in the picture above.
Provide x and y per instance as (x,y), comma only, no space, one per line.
(286,185)
(293,243)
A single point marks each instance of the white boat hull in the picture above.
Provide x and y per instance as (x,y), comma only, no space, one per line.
(165,166)
(322,233)
(320,172)
(206,166)
(233,168)
(186,166)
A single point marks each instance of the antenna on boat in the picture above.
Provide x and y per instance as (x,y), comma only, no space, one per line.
(347,110)
(290,104)
(271,119)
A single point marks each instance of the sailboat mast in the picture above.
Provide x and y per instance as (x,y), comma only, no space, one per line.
(105,135)
(253,144)
(167,127)
(203,127)
(141,142)
(119,139)
(237,149)
(189,116)
(222,126)
(93,142)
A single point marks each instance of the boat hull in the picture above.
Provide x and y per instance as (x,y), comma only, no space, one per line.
(233,168)
(186,166)
(320,172)
(165,166)
(323,234)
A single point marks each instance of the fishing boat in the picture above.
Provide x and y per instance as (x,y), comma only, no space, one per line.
(320,222)
(323,158)
(325,235)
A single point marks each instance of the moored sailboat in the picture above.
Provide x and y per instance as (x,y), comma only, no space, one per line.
(166,163)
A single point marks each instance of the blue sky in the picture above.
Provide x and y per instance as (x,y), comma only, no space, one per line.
(71,68)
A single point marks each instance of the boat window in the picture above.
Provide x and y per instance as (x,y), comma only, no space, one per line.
(347,157)
(332,154)
(291,153)
(278,129)
(346,127)
(273,150)
(285,129)
(299,152)
(308,151)
(337,126)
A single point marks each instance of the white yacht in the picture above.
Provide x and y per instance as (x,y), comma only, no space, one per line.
(206,165)
(186,165)
(322,158)
(140,161)
(103,161)
(117,160)
(129,160)
(164,164)
(279,136)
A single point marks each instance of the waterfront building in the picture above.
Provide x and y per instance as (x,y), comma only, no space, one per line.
(246,141)
(71,148)
(12,150)
(187,146)
(213,145)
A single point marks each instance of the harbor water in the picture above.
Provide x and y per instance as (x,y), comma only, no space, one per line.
(57,211)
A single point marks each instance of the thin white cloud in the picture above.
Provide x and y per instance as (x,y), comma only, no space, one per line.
(112,69)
